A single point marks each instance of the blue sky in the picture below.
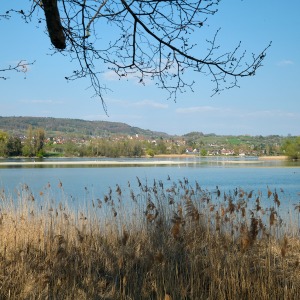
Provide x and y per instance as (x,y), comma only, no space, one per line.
(268,103)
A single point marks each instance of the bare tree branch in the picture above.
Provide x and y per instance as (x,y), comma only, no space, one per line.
(54,26)
(21,66)
(151,39)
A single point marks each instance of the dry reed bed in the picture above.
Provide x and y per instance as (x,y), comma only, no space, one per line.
(148,242)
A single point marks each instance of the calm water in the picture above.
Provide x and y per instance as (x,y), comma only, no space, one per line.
(85,182)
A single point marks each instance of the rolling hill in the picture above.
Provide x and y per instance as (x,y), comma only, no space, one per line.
(74,127)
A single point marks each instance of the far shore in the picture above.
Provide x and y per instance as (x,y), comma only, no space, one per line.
(266,157)
(137,161)
(93,162)
(281,157)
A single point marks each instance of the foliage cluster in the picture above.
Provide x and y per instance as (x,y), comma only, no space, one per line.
(100,147)
(158,241)
(113,148)
(252,145)
(291,147)
(31,145)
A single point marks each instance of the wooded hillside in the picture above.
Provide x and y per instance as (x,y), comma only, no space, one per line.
(19,125)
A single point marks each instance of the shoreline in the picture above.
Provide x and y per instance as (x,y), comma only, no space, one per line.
(281,157)
(139,162)
(266,157)
(95,162)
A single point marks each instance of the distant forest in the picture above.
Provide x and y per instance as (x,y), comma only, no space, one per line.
(72,127)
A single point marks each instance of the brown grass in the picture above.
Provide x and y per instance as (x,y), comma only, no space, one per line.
(180,242)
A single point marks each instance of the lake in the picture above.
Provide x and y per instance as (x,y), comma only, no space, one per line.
(88,178)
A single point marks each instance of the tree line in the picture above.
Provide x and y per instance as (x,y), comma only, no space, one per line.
(31,145)
(115,148)
(35,144)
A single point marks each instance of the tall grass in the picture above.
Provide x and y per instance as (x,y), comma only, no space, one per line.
(148,242)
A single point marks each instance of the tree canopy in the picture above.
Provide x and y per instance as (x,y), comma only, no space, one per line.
(151,39)
(291,147)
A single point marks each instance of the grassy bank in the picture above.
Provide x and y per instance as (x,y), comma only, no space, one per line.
(180,242)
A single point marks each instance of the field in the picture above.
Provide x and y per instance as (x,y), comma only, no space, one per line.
(177,243)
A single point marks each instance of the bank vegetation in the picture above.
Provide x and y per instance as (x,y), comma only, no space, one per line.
(149,241)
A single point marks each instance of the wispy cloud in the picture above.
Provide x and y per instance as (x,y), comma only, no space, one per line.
(150,103)
(272,114)
(126,118)
(138,104)
(110,75)
(285,62)
(237,113)
(35,101)
(198,109)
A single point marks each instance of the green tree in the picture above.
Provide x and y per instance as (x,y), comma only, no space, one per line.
(34,142)
(39,141)
(161,147)
(203,152)
(70,149)
(14,146)
(291,148)
(3,141)
(138,150)
(150,152)
(28,149)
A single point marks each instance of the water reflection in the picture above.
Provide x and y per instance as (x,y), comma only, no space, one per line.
(192,161)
